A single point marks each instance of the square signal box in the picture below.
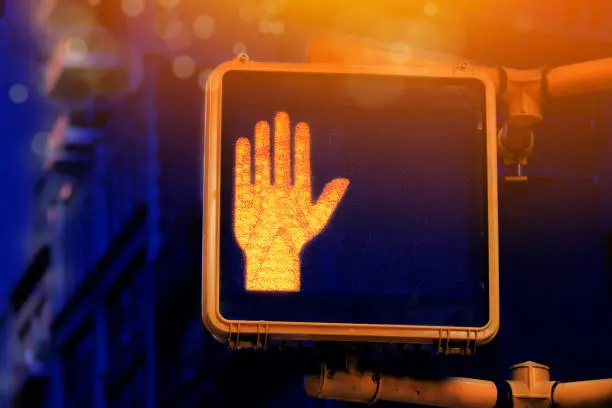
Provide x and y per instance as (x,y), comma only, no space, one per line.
(353,204)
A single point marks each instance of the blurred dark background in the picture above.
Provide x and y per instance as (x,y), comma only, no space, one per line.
(101,107)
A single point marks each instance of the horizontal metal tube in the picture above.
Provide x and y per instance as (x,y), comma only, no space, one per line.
(369,387)
(581,78)
(451,392)
(583,394)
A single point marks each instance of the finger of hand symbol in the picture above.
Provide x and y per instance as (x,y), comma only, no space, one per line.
(262,153)
(282,157)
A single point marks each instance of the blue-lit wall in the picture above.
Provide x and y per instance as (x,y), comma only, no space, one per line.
(22,107)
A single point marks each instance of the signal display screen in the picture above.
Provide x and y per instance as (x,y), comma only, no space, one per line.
(353,199)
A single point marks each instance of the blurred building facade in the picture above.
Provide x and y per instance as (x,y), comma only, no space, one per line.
(23,115)
(107,312)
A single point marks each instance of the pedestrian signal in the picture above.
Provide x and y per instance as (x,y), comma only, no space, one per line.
(349,204)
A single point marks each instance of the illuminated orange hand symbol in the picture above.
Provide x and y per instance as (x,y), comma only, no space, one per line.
(273,221)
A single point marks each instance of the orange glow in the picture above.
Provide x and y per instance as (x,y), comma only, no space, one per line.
(275,219)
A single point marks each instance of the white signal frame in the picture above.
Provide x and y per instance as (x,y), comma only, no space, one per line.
(223,328)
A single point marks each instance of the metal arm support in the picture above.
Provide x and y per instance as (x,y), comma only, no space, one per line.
(522,90)
(370,387)
(530,387)
(582,78)
(583,394)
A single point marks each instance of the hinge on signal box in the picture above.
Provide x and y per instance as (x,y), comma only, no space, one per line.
(257,341)
(446,345)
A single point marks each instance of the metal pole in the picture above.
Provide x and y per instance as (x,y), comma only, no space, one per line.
(522,90)
(582,78)
(369,387)
(583,394)
(530,386)
(574,79)
(451,392)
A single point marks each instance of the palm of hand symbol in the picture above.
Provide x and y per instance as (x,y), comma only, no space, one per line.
(273,221)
